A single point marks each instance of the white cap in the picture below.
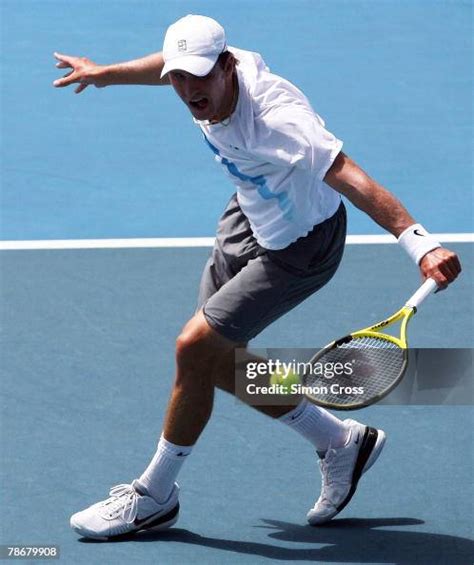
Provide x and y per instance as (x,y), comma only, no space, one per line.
(193,44)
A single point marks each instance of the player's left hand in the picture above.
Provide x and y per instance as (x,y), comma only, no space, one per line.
(84,72)
(442,265)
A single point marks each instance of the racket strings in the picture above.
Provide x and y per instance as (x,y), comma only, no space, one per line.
(369,342)
(371,367)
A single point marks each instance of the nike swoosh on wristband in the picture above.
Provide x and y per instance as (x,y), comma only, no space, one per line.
(357,440)
(416,232)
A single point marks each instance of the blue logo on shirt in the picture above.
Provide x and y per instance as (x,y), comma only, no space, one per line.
(259,181)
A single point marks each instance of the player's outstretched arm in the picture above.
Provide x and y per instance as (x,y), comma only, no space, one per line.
(84,72)
(349,179)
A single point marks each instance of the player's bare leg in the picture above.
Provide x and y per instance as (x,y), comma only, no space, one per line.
(206,360)
(225,380)
(200,351)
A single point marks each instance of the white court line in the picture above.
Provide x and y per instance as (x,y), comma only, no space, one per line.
(161,242)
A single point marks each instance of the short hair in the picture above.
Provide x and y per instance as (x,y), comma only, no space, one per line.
(224,57)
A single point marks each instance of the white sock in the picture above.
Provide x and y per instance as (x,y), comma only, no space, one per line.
(159,477)
(317,425)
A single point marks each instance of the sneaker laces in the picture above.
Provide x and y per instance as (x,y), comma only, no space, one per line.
(123,501)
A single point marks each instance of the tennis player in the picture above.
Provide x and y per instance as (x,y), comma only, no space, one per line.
(280,239)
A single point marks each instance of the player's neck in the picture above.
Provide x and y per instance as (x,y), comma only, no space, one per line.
(226,116)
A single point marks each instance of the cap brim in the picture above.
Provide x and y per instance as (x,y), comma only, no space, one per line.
(197,65)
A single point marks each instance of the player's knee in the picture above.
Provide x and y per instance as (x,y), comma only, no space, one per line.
(194,361)
(198,347)
(188,347)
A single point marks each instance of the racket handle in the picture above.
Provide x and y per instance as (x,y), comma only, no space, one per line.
(425,290)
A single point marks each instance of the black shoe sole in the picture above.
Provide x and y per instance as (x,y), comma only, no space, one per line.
(366,447)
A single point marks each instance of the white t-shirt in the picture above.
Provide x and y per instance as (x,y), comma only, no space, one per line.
(276,151)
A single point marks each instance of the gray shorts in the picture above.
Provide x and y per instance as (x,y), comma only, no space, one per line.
(245,287)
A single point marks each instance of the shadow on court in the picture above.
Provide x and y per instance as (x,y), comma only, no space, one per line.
(347,540)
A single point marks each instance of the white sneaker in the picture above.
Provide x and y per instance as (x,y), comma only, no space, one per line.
(342,468)
(126,511)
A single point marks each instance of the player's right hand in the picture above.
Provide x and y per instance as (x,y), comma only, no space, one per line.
(442,265)
(84,72)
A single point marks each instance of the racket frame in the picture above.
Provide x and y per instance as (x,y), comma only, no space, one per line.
(404,315)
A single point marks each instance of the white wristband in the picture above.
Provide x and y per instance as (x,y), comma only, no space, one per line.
(417,242)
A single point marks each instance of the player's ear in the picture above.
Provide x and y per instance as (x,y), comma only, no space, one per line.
(229,63)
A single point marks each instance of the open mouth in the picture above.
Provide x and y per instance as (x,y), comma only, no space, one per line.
(200,103)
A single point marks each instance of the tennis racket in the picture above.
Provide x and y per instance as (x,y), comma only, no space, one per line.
(361,368)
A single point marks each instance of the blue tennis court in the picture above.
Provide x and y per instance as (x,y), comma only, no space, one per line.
(88,329)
